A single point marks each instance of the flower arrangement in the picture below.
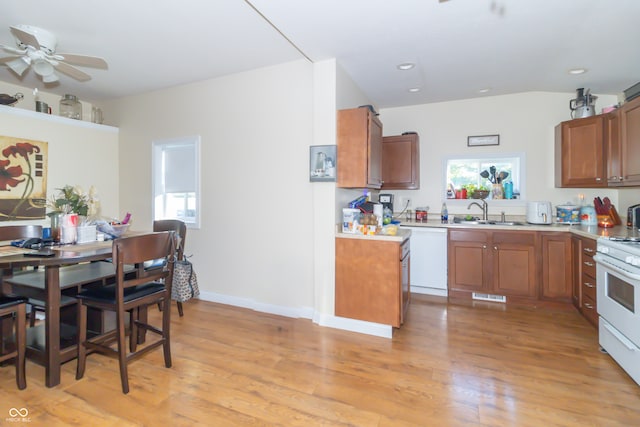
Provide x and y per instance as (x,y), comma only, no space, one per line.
(71,199)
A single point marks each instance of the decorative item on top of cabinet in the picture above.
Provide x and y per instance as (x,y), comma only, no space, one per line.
(580,153)
(359,144)
(401,162)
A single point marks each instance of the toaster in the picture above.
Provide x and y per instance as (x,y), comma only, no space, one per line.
(633,216)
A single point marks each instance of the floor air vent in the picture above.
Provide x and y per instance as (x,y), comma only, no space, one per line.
(489,297)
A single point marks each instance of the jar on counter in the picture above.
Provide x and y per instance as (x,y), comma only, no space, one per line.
(70,107)
(421,215)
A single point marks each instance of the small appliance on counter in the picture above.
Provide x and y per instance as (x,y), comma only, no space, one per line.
(386,200)
(539,213)
(633,216)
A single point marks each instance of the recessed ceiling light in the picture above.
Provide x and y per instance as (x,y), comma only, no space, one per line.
(414,89)
(484,90)
(577,71)
(406,66)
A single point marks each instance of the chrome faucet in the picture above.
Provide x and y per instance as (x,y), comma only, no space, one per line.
(484,207)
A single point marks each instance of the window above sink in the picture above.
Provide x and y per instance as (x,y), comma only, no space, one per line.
(467,172)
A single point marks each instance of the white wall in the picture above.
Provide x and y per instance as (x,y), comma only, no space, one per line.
(525,123)
(80,153)
(255,244)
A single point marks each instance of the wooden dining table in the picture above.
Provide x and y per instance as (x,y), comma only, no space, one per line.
(52,354)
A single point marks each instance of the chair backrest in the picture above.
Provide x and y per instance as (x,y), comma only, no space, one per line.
(15,232)
(141,248)
(173,225)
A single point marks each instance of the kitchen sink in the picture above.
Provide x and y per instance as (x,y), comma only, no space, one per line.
(476,221)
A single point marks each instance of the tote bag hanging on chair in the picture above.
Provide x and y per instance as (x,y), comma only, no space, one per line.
(185,282)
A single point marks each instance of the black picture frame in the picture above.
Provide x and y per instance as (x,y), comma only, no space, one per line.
(482,140)
(323,164)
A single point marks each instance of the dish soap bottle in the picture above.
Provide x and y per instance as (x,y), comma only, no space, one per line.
(444,214)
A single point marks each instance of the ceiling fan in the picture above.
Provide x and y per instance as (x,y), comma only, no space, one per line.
(37,47)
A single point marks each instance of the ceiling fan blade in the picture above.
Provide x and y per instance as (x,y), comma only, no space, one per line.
(72,71)
(8,59)
(84,60)
(26,38)
(13,49)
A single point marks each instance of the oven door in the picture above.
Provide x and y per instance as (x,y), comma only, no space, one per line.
(618,293)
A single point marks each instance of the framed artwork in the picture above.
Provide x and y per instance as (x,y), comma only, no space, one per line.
(322,163)
(474,141)
(23,178)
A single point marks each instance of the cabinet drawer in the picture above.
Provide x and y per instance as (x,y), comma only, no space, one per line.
(589,310)
(589,247)
(588,267)
(589,287)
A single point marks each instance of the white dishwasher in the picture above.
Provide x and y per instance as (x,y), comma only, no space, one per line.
(428,273)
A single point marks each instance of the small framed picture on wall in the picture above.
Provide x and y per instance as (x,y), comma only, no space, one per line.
(322,163)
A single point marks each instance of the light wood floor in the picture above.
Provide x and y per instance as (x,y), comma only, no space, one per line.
(449,365)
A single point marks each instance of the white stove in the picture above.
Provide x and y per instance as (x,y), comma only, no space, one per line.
(618,290)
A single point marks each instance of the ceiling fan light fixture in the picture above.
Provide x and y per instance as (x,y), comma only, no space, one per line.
(43,68)
(406,66)
(53,77)
(19,65)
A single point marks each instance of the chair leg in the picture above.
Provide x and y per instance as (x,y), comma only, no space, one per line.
(166,332)
(82,337)
(122,351)
(21,342)
(134,317)
(32,317)
(180,312)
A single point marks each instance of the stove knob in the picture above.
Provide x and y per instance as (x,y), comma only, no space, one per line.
(604,249)
(635,260)
(629,259)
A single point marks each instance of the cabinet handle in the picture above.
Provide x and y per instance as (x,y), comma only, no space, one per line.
(598,179)
(484,246)
(589,285)
(589,250)
(589,306)
(495,248)
(589,264)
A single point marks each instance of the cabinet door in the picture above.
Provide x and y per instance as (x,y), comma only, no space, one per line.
(576,270)
(514,264)
(579,153)
(613,144)
(630,125)
(401,162)
(469,263)
(368,280)
(374,165)
(556,268)
(359,149)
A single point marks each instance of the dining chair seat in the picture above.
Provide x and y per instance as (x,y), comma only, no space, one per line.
(130,296)
(16,307)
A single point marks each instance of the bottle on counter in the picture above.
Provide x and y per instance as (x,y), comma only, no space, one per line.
(444,214)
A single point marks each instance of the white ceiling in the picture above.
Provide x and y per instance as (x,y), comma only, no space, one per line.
(459,46)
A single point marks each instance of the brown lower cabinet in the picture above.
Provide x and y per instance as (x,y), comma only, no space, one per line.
(524,266)
(584,277)
(372,280)
(493,262)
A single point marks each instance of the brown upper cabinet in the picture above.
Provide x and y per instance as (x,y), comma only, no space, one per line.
(579,153)
(629,143)
(401,162)
(359,149)
(606,145)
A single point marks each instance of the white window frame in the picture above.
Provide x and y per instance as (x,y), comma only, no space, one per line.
(157,175)
(521,201)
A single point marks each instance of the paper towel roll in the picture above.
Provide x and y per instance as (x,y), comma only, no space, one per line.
(378,212)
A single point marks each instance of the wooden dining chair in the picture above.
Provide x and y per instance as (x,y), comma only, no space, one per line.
(131,295)
(16,307)
(180,228)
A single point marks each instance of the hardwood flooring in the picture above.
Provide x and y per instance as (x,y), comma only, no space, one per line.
(449,365)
